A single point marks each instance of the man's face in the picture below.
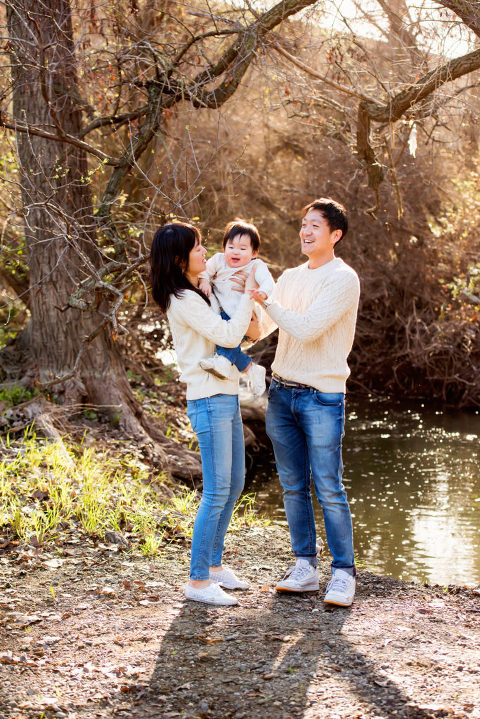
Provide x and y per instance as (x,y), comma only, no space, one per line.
(317,239)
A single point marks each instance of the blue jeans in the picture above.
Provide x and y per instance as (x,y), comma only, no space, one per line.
(234,354)
(306,430)
(218,425)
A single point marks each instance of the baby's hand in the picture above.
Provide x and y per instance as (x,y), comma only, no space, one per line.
(205,287)
(258,295)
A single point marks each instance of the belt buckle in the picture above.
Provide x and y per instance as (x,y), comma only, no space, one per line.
(289,385)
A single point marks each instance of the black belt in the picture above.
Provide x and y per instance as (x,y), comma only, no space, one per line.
(289,385)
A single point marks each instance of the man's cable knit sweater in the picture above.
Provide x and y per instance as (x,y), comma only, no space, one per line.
(316,312)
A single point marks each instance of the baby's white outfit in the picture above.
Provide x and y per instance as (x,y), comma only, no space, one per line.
(219,274)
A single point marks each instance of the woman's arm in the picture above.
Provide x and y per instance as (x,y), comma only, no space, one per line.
(193,311)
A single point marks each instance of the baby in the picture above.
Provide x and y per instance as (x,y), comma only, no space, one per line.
(241,242)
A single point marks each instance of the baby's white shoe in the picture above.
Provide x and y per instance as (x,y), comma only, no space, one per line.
(220,367)
(256,378)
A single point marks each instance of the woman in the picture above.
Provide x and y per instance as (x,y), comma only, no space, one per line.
(177,259)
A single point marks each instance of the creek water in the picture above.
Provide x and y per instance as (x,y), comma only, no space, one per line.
(412,474)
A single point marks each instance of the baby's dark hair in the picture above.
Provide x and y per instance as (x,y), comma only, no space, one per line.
(241,227)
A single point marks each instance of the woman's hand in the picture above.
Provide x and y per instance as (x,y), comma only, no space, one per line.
(238,281)
(251,283)
(253,332)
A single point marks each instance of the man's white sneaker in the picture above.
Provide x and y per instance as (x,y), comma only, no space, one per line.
(302,577)
(340,589)
(256,378)
(220,367)
(228,579)
(213,594)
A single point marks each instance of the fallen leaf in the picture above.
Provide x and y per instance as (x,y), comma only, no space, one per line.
(210,640)
(53,563)
(26,619)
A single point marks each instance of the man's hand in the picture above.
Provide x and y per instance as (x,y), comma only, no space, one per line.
(205,286)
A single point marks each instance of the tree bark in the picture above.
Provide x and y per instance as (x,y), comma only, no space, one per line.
(59,225)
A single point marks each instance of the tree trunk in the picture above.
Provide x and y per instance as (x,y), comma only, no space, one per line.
(59,224)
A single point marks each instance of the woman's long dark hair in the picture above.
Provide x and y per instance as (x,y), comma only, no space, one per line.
(171,247)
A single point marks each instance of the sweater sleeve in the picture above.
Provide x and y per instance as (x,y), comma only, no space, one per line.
(193,311)
(266,283)
(267,323)
(339,295)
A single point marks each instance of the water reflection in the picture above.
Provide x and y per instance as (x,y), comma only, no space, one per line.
(414,485)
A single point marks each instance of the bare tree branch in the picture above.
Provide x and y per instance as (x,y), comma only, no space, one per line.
(427,84)
(319,76)
(64,137)
(467,10)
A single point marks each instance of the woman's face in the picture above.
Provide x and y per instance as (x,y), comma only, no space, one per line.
(196,262)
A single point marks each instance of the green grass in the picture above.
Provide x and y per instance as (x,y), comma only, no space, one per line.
(15,394)
(51,490)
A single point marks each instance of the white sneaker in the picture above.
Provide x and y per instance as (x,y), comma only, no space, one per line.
(302,577)
(213,594)
(340,589)
(219,366)
(228,579)
(256,378)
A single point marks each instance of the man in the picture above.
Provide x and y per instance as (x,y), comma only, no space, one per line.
(315,306)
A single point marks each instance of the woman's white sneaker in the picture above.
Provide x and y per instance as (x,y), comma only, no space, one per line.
(212,594)
(340,589)
(228,579)
(302,577)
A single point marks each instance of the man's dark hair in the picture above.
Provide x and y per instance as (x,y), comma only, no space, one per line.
(241,227)
(334,213)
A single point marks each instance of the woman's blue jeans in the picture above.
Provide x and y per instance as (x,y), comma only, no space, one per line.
(218,425)
(306,430)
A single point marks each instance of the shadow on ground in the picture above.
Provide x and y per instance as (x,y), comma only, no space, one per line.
(282,654)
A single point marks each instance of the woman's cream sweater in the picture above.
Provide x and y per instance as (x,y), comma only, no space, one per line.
(196,329)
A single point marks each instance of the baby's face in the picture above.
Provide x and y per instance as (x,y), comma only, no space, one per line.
(238,251)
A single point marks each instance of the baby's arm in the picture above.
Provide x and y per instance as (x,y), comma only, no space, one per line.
(265,281)
(206,277)
(205,286)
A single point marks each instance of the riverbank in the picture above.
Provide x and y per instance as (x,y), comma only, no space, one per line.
(104,633)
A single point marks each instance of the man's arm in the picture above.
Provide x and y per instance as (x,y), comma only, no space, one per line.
(336,298)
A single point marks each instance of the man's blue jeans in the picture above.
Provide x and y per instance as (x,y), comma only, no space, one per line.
(306,430)
(218,425)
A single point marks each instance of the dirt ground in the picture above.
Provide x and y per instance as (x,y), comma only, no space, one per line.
(94,632)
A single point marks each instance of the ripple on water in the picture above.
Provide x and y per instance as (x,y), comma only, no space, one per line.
(413,482)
